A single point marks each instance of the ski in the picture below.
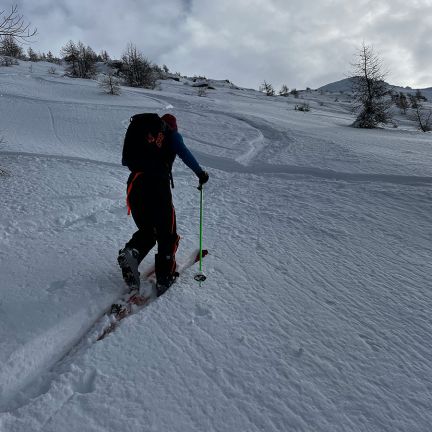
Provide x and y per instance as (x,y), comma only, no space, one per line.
(134,300)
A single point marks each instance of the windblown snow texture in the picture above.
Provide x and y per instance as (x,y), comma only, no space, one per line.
(316,313)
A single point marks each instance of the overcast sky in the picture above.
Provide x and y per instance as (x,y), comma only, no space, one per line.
(300,43)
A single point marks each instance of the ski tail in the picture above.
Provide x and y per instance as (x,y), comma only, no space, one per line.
(191,260)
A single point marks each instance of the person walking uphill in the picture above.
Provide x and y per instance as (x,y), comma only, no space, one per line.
(150,147)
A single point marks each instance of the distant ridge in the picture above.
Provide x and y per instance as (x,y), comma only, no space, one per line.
(345,85)
(338,86)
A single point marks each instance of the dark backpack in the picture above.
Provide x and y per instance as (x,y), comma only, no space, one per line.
(145,146)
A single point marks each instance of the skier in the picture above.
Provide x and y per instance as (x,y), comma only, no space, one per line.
(150,202)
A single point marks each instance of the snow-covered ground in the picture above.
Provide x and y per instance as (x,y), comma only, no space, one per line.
(316,315)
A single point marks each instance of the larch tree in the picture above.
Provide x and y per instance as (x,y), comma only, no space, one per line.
(370,90)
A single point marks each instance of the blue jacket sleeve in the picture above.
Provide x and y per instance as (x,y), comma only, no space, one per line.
(184,153)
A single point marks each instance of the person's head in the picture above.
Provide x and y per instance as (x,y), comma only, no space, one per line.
(170,120)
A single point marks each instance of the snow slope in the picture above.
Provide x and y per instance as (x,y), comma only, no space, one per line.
(316,313)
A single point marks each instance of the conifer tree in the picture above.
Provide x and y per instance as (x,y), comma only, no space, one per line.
(369,90)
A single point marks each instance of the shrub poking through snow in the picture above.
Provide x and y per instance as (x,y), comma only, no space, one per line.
(8,61)
(302,107)
(202,91)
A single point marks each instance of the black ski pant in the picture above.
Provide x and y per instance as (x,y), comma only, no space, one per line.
(152,209)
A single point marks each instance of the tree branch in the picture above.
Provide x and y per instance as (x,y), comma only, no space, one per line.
(13,25)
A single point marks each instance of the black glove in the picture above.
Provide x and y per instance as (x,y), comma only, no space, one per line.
(203,178)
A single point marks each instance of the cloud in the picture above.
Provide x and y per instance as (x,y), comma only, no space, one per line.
(298,43)
(187,5)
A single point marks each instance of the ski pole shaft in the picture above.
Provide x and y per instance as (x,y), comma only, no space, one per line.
(201,226)
(200,276)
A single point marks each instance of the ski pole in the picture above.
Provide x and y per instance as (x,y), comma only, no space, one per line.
(200,276)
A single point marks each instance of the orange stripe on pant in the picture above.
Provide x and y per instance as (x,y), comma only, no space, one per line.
(176,245)
(173,219)
(129,191)
(177,241)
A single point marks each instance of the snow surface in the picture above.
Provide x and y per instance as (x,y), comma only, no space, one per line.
(316,314)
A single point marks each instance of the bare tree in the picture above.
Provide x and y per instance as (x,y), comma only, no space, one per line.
(138,70)
(423,117)
(70,55)
(32,55)
(413,100)
(104,56)
(401,101)
(81,60)
(12,24)
(284,91)
(49,57)
(267,88)
(87,59)
(419,96)
(295,93)
(110,84)
(369,89)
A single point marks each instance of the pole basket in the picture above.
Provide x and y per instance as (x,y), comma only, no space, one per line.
(200,277)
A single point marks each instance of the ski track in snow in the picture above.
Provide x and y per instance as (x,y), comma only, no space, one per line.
(227,165)
(316,312)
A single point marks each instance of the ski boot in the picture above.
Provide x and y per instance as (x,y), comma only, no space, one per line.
(128,262)
(165,272)
(162,285)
